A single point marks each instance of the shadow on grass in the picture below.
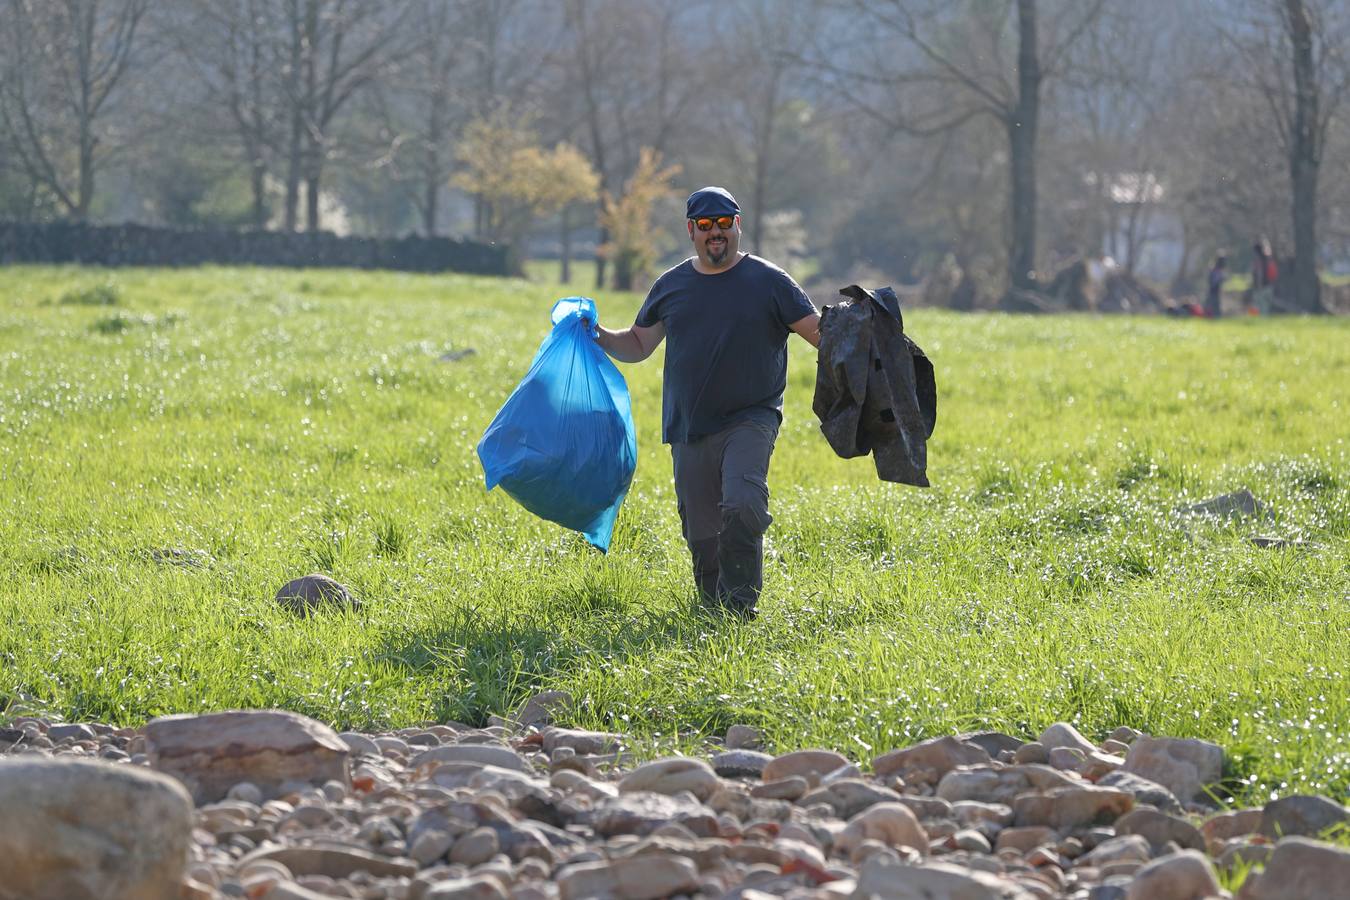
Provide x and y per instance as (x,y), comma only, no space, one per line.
(501,658)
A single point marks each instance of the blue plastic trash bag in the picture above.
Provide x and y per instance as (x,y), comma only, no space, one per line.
(563,444)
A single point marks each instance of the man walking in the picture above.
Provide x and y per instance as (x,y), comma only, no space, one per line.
(728,315)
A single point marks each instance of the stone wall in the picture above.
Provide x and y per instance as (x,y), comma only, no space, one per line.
(140,245)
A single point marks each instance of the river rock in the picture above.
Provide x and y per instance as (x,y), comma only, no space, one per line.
(360,744)
(1062,734)
(1025,838)
(671,776)
(288,890)
(789,788)
(893,824)
(849,796)
(1129,847)
(1233,824)
(992,742)
(479,887)
(972,813)
(740,763)
(935,757)
(1309,816)
(476,754)
(1240,504)
(809,764)
(308,593)
(1245,854)
(642,877)
(582,742)
(744,737)
(1144,791)
(543,708)
(1185,766)
(883,878)
(78,732)
(1072,807)
(213,752)
(1187,875)
(642,813)
(334,862)
(705,853)
(84,830)
(1158,828)
(1031,752)
(576,783)
(1096,765)
(990,784)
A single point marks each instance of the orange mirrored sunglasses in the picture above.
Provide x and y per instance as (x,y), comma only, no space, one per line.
(705,223)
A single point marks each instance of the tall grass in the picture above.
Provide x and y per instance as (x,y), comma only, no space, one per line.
(162,478)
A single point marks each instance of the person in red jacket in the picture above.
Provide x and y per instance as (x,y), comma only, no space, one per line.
(1265,271)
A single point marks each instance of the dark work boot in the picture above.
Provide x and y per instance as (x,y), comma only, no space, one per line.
(741,559)
(706,571)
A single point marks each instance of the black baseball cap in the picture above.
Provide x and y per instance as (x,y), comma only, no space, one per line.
(711,201)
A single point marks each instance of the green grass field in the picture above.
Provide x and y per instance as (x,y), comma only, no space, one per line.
(266,424)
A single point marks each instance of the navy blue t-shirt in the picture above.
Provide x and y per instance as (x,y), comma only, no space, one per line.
(726,344)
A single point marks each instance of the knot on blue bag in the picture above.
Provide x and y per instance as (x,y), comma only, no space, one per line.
(563,445)
(582,308)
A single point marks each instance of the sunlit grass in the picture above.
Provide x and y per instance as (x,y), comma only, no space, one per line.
(263,424)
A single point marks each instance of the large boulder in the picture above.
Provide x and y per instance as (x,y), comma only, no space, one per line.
(1300,869)
(84,830)
(1302,814)
(212,753)
(1185,766)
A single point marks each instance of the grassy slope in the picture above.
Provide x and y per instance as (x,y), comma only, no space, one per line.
(274,423)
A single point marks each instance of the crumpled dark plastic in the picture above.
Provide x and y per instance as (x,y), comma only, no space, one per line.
(875,390)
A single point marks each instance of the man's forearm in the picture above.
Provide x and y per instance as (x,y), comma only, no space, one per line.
(623,344)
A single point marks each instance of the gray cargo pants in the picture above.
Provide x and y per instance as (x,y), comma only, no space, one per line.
(721,483)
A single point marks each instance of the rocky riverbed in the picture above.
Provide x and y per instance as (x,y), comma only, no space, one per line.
(272,805)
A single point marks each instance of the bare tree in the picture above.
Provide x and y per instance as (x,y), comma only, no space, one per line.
(335,48)
(636,77)
(964,60)
(1293,55)
(67,60)
(430,80)
(1319,82)
(235,48)
(765,48)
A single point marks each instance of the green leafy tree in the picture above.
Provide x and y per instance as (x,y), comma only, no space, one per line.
(634,243)
(518,180)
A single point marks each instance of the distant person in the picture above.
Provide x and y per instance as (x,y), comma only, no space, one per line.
(728,315)
(1265,272)
(1218,274)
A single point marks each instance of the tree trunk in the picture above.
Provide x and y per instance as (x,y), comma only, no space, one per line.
(565,275)
(1180,281)
(600,259)
(429,211)
(624,273)
(312,222)
(1022,124)
(85,194)
(1303,159)
(759,199)
(258,179)
(759,207)
(297,136)
(293,180)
